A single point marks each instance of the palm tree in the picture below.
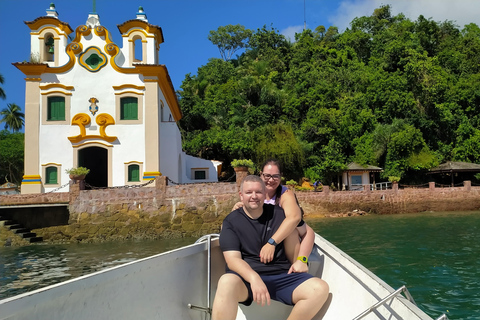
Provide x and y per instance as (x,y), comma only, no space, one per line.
(2,93)
(13,117)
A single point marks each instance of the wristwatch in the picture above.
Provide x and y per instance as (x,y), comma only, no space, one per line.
(272,242)
(303,259)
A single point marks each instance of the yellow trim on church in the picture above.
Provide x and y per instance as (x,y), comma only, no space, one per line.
(56,85)
(34,25)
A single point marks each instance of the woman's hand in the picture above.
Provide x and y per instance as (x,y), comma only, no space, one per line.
(298,267)
(267,252)
(237,205)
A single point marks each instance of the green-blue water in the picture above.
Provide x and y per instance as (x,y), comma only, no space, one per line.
(436,255)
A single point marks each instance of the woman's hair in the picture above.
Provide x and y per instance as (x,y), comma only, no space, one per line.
(275,162)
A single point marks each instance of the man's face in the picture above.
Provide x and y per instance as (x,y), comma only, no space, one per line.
(253,195)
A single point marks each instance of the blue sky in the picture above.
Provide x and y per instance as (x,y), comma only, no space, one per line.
(186,25)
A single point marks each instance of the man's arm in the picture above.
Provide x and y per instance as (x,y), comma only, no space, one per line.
(236,263)
(292,218)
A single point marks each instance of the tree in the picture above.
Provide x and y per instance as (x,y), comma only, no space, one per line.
(2,92)
(11,159)
(278,141)
(229,39)
(12,117)
(398,93)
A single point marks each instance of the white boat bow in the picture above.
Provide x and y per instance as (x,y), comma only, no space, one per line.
(181,284)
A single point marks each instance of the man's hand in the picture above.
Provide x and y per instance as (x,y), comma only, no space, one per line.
(267,252)
(260,292)
(298,267)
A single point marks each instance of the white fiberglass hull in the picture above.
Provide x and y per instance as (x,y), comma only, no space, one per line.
(163,286)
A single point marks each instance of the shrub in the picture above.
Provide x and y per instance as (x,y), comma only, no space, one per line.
(77,171)
(291,183)
(242,163)
(393,179)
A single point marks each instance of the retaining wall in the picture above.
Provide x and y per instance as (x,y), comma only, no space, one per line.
(162,211)
(391,201)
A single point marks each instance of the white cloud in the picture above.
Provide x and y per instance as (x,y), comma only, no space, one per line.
(289,32)
(461,11)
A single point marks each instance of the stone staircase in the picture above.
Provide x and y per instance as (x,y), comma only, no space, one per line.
(20,230)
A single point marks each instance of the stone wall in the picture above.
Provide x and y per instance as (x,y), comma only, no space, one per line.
(44,198)
(144,213)
(168,211)
(390,201)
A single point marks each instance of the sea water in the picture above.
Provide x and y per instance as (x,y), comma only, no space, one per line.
(436,255)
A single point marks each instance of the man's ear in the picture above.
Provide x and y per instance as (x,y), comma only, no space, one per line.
(241,195)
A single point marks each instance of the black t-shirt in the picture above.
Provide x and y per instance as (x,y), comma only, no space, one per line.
(247,235)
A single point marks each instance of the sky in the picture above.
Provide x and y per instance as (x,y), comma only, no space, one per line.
(186,25)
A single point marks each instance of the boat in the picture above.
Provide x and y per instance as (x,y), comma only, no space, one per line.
(181,284)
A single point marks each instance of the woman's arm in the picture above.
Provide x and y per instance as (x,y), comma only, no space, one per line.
(307,239)
(292,218)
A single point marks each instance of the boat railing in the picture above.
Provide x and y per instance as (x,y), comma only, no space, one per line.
(207,238)
(390,296)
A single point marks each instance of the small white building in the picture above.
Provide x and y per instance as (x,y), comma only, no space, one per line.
(356,177)
(91,103)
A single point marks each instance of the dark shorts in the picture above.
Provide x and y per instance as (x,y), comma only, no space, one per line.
(280,286)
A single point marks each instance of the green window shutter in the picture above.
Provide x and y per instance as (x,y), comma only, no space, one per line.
(133,173)
(129,108)
(56,109)
(51,175)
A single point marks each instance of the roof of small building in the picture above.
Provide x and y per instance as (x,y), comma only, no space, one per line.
(353,166)
(456,166)
(8,185)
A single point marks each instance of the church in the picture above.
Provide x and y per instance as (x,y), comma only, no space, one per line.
(91,103)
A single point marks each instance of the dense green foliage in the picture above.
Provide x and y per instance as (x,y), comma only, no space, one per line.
(391,92)
(11,157)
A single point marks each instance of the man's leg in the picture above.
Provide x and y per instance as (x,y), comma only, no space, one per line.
(308,298)
(230,291)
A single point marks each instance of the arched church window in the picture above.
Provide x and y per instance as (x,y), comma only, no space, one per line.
(138,49)
(49,50)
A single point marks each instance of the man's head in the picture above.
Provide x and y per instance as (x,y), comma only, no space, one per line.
(252,193)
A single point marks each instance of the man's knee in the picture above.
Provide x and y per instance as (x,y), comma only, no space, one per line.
(314,288)
(233,285)
(319,286)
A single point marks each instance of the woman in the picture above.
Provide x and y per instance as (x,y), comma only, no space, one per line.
(280,195)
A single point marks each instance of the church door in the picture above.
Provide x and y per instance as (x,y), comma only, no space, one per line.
(95,159)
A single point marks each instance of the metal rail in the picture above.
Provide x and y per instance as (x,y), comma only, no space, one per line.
(381,302)
(390,296)
(208,239)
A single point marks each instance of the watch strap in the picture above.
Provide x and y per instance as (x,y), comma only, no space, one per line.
(303,259)
(272,242)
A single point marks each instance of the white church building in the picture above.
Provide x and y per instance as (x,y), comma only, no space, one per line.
(91,103)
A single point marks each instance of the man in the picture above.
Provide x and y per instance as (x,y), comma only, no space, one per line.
(244,232)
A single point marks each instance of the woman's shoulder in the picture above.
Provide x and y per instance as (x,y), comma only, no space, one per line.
(286,194)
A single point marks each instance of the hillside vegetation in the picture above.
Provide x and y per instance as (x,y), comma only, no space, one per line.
(391,92)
